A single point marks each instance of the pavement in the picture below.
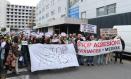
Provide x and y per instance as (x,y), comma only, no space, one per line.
(110,71)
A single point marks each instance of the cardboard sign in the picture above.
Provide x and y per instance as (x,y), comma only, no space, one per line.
(108,32)
(88,28)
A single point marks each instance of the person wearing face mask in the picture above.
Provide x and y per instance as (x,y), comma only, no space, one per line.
(120,53)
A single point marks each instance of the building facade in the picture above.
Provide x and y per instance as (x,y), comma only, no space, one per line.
(106,13)
(19,17)
(100,8)
(103,13)
(50,10)
(53,15)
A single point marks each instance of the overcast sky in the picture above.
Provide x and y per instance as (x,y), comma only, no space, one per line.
(24,2)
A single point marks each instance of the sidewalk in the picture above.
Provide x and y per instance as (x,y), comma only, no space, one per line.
(20,77)
(23,74)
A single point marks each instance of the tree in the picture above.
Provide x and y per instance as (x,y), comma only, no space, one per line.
(3,29)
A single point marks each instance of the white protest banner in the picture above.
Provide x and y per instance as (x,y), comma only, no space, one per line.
(44,57)
(93,48)
(88,28)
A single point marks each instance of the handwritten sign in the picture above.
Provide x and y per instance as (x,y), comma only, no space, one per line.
(45,57)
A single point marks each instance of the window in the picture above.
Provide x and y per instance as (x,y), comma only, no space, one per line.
(47,15)
(111,8)
(42,17)
(106,10)
(19,6)
(16,6)
(43,9)
(83,14)
(59,9)
(8,26)
(52,12)
(100,11)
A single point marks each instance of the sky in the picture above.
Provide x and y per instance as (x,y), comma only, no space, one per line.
(24,2)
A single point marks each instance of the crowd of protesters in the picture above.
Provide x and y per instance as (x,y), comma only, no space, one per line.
(12,55)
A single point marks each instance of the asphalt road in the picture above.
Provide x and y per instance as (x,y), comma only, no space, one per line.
(110,71)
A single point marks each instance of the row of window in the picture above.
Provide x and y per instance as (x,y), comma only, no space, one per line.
(17,23)
(20,20)
(106,10)
(18,6)
(15,26)
(51,13)
(102,11)
(11,16)
(23,10)
(16,13)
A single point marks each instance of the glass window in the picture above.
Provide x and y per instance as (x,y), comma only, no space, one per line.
(100,11)
(111,8)
(52,12)
(59,9)
(83,14)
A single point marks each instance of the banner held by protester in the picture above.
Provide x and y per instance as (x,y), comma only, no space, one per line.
(44,57)
(92,48)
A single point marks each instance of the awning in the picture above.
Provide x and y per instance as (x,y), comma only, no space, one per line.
(60,21)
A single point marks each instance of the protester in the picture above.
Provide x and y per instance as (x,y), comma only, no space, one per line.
(108,55)
(120,53)
(80,58)
(55,39)
(16,53)
(25,51)
(11,57)
(90,59)
(63,38)
(100,58)
(2,51)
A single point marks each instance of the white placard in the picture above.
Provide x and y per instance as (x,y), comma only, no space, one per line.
(24,42)
(88,28)
(44,57)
